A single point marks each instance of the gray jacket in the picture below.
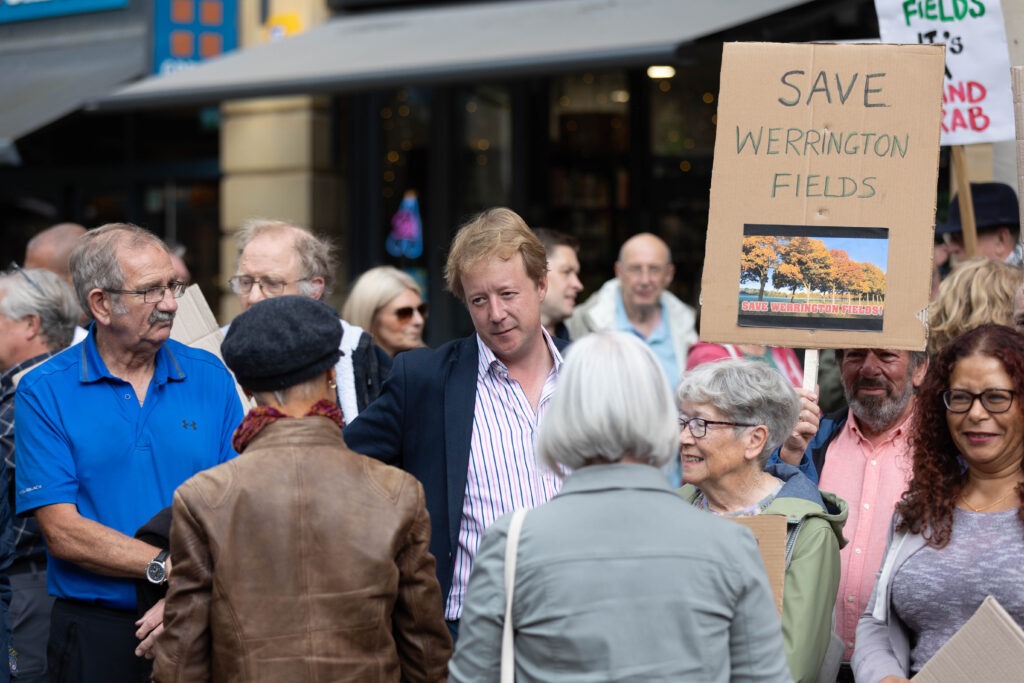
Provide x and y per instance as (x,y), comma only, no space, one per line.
(883,641)
(619,579)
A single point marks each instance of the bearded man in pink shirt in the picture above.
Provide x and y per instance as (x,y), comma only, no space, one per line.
(861,455)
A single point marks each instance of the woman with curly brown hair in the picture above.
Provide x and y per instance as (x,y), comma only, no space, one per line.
(958,532)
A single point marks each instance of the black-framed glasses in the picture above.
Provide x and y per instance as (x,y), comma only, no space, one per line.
(994,401)
(154,295)
(242,284)
(18,269)
(698,426)
(404,314)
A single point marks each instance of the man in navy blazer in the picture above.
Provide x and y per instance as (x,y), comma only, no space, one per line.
(463,418)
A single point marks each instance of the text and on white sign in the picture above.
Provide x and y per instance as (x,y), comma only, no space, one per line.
(977,100)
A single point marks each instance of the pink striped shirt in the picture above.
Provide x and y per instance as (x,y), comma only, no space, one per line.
(871,480)
(503,473)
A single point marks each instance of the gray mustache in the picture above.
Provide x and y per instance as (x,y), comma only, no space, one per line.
(160,317)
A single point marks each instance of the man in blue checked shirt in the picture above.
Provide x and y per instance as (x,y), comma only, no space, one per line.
(37,319)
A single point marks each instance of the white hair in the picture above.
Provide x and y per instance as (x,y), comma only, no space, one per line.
(612,401)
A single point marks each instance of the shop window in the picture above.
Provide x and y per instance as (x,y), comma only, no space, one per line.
(485,158)
(589,131)
(683,104)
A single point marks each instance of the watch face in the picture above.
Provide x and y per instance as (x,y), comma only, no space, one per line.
(155,572)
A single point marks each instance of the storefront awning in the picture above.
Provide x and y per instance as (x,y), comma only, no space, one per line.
(40,83)
(453,43)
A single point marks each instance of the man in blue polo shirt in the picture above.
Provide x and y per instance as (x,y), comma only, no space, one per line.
(106,431)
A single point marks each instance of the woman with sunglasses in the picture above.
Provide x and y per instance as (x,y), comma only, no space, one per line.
(388,303)
(957,534)
(732,414)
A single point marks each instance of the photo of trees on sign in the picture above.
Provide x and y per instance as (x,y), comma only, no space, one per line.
(798,276)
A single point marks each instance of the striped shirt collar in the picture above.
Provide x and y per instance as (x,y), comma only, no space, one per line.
(488,362)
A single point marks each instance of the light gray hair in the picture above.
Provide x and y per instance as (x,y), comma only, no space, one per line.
(48,296)
(94,263)
(373,291)
(612,401)
(317,255)
(747,391)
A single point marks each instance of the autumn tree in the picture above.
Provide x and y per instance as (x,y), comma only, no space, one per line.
(804,263)
(874,279)
(843,274)
(760,254)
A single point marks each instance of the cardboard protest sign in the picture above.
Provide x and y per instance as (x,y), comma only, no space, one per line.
(976,96)
(823,196)
(989,647)
(770,532)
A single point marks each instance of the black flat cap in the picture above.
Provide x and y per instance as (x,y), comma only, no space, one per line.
(995,205)
(281,342)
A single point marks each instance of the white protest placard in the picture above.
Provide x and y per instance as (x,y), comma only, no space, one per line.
(977,101)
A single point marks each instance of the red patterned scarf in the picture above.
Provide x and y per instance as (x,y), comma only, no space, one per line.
(260,416)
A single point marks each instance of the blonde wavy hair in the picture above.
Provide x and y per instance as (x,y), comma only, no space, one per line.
(979,290)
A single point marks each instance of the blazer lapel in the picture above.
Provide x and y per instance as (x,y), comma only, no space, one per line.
(459,404)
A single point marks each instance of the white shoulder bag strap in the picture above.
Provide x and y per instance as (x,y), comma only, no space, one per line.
(508,655)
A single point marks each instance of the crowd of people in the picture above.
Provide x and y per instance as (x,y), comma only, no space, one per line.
(551,498)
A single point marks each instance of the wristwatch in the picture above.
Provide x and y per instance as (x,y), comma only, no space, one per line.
(156,571)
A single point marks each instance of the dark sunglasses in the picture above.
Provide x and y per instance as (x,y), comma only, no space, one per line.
(404,313)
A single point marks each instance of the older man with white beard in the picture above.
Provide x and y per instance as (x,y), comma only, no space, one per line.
(106,431)
(862,456)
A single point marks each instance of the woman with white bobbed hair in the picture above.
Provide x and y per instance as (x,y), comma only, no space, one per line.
(617,578)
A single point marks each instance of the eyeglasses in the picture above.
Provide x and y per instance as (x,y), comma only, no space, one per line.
(242,284)
(638,269)
(698,426)
(404,314)
(154,295)
(18,269)
(994,401)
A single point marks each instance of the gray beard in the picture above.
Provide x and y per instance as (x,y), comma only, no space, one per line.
(880,413)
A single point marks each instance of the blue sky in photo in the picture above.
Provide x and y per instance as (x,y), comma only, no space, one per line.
(861,249)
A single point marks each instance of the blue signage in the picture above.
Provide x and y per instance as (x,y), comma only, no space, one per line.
(22,10)
(185,32)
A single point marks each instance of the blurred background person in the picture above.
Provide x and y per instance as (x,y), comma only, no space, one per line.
(616,577)
(957,534)
(38,313)
(388,304)
(997,220)
(276,258)
(347,590)
(51,249)
(979,290)
(563,280)
(181,271)
(732,415)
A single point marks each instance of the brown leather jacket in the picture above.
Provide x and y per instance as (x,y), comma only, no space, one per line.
(301,560)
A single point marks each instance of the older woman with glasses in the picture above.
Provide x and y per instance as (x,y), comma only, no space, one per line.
(958,534)
(389,304)
(732,414)
(616,578)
